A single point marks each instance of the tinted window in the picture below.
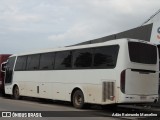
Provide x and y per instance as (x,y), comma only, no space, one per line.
(63,60)
(106,56)
(46,61)
(142,53)
(82,58)
(21,63)
(33,62)
(9,70)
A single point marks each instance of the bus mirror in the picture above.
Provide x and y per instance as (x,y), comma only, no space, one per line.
(3,67)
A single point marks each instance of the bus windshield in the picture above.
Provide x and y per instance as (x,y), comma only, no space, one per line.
(142,53)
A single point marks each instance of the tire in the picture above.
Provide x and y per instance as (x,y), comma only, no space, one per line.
(16,95)
(78,99)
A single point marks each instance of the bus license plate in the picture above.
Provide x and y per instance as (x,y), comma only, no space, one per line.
(142,97)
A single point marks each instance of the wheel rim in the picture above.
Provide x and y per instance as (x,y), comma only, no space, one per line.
(78,100)
(16,93)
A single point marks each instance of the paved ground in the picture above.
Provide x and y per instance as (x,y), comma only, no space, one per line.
(51,107)
(65,109)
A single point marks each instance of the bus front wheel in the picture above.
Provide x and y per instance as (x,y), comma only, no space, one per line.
(78,99)
(16,95)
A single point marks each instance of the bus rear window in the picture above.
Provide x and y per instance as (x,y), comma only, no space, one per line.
(142,53)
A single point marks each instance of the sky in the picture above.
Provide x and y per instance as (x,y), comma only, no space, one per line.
(29,25)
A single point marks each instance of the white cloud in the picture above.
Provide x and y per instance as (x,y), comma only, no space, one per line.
(98,18)
(75,32)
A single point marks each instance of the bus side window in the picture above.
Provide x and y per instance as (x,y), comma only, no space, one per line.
(47,61)
(63,60)
(33,62)
(21,63)
(82,58)
(105,57)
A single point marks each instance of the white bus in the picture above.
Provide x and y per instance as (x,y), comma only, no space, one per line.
(117,71)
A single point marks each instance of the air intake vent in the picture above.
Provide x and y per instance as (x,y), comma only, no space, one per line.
(108,91)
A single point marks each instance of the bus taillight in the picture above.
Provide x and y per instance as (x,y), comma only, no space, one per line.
(122,82)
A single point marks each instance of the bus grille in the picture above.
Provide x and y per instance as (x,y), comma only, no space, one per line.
(108,91)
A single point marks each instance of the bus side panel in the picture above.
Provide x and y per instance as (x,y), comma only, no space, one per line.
(54,85)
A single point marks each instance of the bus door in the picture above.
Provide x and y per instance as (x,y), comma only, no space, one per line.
(9,70)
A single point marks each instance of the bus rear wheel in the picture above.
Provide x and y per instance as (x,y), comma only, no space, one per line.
(16,95)
(78,99)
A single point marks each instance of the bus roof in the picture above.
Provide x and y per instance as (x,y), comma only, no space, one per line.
(112,42)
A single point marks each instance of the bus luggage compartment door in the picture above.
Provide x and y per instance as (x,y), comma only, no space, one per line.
(108,91)
(142,82)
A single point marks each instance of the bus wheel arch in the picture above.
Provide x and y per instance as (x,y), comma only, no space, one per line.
(77,98)
(15,92)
